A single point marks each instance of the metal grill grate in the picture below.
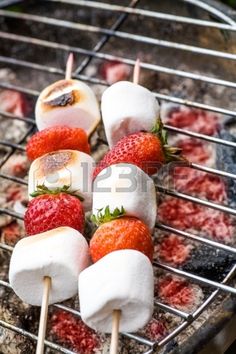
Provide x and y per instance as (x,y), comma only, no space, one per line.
(225,23)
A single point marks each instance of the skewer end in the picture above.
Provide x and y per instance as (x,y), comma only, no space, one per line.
(69,66)
(136,72)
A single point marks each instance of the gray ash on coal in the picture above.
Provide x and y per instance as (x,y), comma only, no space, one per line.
(203,260)
(209,262)
(226,157)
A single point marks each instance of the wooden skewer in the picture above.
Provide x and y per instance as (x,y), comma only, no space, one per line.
(69,66)
(43,315)
(136,71)
(115,331)
(117,313)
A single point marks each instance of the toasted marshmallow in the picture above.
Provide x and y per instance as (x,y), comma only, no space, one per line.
(64,167)
(67,102)
(127,108)
(126,185)
(60,254)
(122,280)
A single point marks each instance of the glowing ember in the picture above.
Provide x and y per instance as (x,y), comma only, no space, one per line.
(207,186)
(173,250)
(13,102)
(114,71)
(187,215)
(16,192)
(179,293)
(16,165)
(11,233)
(195,120)
(155,329)
(196,151)
(70,330)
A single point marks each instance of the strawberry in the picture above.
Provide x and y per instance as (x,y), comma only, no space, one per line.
(57,138)
(147,150)
(122,232)
(53,209)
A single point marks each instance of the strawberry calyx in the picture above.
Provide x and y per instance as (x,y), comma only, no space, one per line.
(105,215)
(41,189)
(171,153)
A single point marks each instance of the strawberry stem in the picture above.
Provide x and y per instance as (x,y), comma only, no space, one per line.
(171,153)
(105,215)
(42,189)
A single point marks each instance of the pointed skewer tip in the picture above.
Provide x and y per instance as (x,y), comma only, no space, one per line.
(136,72)
(69,66)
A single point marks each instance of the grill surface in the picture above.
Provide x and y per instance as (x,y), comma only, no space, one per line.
(88,53)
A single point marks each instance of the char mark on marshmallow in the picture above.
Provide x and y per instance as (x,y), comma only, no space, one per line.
(65,99)
(55,161)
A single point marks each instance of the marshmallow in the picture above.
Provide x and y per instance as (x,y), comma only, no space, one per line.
(64,167)
(122,280)
(61,254)
(128,186)
(127,108)
(67,102)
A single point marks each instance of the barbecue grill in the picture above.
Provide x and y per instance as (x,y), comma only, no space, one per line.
(188,51)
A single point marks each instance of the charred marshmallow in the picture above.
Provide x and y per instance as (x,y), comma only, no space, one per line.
(122,280)
(67,102)
(64,167)
(61,254)
(127,108)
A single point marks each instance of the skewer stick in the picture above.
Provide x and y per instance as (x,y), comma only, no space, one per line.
(69,66)
(115,331)
(117,313)
(136,71)
(43,315)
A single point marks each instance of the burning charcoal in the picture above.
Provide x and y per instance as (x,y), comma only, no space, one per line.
(178,292)
(16,165)
(196,120)
(192,217)
(70,330)
(114,71)
(173,249)
(156,329)
(210,262)
(13,102)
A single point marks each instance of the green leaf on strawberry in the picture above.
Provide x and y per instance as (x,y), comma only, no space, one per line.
(41,189)
(172,153)
(105,215)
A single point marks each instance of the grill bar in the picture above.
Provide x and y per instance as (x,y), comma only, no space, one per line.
(229,25)
(192,199)
(109,57)
(148,13)
(212,10)
(100,44)
(118,34)
(34,337)
(197,278)
(197,313)
(193,237)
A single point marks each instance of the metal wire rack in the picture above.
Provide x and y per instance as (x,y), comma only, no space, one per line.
(225,23)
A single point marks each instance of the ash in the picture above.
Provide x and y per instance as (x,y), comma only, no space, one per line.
(191,256)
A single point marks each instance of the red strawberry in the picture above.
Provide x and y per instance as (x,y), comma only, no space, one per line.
(49,211)
(123,232)
(147,150)
(57,138)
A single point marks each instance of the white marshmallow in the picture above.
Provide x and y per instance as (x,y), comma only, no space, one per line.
(127,108)
(61,254)
(128,186)
(122,280)
(64,167)
(67,102)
